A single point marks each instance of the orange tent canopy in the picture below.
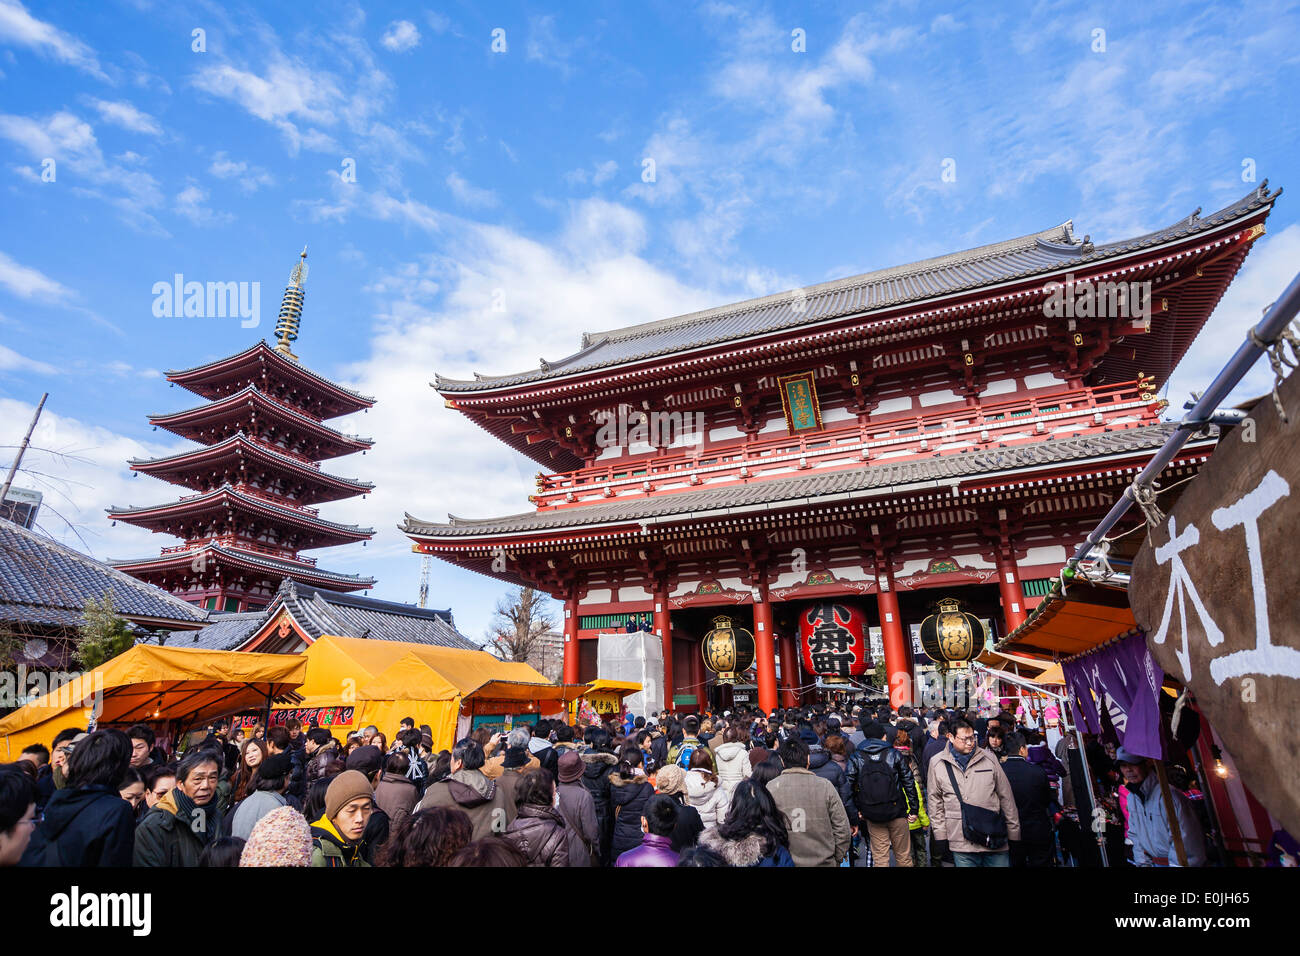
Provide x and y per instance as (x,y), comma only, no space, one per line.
(1067,623)
(178,683)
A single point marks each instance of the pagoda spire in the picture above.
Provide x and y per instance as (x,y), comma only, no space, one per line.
(286,326)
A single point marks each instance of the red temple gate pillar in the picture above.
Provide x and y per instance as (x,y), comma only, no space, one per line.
(765,654)
(664,628)
(698,678)
(571,641)
(1013,597)
(790,678)
(898,646)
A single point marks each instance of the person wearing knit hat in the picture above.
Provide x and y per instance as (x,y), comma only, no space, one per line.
(578,807)
(671,781)
(281,838)
(338,837)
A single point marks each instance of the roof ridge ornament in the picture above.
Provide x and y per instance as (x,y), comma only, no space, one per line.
(1087,248)
(286,326)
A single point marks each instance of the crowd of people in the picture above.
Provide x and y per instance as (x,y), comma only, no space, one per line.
(801,787)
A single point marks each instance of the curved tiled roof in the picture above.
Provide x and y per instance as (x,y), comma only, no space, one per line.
(289,365)
(148,465)
(1047,251)
(44,582)
(252,501)
(781,492)
(256,394)
(264,562)
(320,612)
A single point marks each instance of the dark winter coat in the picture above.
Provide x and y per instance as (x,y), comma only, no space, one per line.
(298,756)
(396,795)
(820,763)
(689,825)
(485,803)
(596,771)
(541,834)
(579,812)
(628,797)
(162,839)
(317,762)
(747,851)
(90,826)
(1033,793)
(905,799)
(932,746)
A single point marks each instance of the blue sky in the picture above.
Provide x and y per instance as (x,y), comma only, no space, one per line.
(515,176)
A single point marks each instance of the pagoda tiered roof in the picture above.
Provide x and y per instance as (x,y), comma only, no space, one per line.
(197,467)
(220,419)
(181,560)
(227,504)
(276,375)
(262,426)
(872,295)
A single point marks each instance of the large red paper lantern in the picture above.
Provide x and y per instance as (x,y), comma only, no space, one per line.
(833,640)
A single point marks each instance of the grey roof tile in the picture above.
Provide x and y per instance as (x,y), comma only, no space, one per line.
(868,477)
(319,612)
(1041,252)
(44,582)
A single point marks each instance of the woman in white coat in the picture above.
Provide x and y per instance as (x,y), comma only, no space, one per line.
(732,758)
(704,791)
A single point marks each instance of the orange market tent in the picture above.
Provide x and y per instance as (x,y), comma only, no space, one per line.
(385,681)
(606,696)
(1069,621)
(187,685)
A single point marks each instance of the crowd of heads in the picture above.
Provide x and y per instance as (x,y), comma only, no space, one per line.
(320,798)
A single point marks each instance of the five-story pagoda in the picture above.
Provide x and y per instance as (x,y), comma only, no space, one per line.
(255,476)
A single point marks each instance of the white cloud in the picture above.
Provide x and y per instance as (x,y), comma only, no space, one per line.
(81,470)
(401,36)
(436,314)
(249,177)
(70,141)
(20,28)
(28,283)
(438,22)
(191,205)
(469,195)
(124,114)
(288,94)
(11,361)
(543,46)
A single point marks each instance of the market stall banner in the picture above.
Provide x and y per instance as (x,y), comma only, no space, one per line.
(1126,680)
(320,716)
(1217,588)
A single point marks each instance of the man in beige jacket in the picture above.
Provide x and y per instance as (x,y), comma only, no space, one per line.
(982,783)
(816,820)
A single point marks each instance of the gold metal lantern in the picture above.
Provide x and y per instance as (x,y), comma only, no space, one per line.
(951,635)
(728,650)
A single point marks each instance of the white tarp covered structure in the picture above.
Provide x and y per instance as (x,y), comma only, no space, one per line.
(637,657)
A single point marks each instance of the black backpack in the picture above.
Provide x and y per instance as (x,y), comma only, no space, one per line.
(877,791)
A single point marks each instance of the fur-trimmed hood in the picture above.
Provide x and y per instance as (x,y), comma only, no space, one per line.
(598,757)
(637,779)
(744,852)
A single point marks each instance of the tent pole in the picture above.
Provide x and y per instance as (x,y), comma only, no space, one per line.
(1092,796)
(1175,831)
